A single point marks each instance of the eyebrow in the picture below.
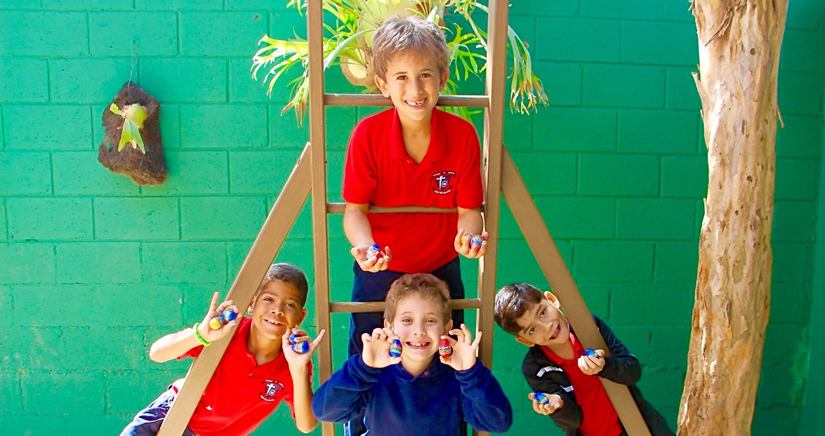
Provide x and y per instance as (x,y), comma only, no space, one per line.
(535,313)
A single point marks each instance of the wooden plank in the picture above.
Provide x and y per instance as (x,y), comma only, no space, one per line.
(264,249)
(378,306)
(564,287)
(380,100)
(320,235)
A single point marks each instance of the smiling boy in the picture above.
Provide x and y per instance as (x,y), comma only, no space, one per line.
(416,393)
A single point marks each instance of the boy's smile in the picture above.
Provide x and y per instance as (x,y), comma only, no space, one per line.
(419,325)
(543,324)
(413,83)
(277,308)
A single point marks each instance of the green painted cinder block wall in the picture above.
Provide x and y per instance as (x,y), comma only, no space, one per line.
(94,268)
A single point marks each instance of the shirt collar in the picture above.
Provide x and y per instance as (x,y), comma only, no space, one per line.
(435,368)
(438,144)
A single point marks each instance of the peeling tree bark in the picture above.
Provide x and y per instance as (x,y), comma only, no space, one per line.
(739,43)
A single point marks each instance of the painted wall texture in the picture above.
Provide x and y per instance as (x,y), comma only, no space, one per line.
(94,268)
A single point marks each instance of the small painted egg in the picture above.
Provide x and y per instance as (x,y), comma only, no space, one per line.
(215,323)
(588,352)
(229,315)
(541,398)
(445,350)
(476,241)
(395,348)
(293,338)
(465,238)
(300,347)
(374,252)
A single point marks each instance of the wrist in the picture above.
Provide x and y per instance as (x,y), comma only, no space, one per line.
(199,336)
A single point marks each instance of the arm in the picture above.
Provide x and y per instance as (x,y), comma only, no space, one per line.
(483,402)
(346,393)
(299,369)
(620,366)
(569,415)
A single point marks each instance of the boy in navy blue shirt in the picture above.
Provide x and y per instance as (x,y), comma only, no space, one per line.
(416,393)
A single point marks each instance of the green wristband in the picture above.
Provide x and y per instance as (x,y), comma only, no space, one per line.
(198,335)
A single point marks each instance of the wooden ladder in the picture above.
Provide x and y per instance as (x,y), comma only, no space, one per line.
(500,176)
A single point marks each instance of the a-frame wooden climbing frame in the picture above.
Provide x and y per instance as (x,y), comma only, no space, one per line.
(500,177)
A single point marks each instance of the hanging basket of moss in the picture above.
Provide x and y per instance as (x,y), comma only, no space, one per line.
(131,142)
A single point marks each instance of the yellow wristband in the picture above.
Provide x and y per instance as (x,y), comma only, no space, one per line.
(198,335)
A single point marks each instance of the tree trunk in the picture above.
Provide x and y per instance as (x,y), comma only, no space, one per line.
(739,42)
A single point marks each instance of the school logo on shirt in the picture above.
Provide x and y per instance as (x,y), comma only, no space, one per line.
(270,389)
(442,182)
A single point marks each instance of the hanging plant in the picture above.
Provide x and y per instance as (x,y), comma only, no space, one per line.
(133,116)
(350,47)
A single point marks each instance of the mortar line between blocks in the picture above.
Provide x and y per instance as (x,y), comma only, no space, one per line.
(88,34)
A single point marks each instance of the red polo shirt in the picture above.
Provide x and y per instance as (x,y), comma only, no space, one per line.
(241,394)
(599,418)
(379,171)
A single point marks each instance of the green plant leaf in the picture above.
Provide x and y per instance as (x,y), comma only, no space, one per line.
(130,134)
(115,110)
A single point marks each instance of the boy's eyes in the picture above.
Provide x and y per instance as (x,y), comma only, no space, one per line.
(531,331)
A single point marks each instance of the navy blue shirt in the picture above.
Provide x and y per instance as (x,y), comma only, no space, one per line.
(396,403)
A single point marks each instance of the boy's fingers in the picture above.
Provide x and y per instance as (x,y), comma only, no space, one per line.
(478,339)
(357,254)
(318,338)
(214,302)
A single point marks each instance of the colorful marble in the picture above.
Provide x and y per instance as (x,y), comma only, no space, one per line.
(395,348)
(541,398)
(229,315)
(215,323)
(445,350)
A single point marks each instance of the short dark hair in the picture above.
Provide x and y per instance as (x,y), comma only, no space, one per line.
(426,286)
(512,301)
(289,274)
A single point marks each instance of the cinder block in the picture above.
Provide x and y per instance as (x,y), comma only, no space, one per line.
(578,217)
(794,222)
(339,124)
(33,348)
(35,33)
(800,93)
(633,304)
(21,4)
(517,252)
(624,86)
(623,9)
(79,173)
(223,126)
(518,131)
(549,9)
(790,302)
(562,83)
(804,15)
(26,263)
(229,217)
(106,424)
(190,262)
(286,24)
(662,388)
(605,262)
(792,263)
(48,127)
(597,298)
(34,425)
(98,262)
(184,80)
(88,80)
(669,346)
(240,33)
(24,80)
(547,173)
(801,137)
(774,419)
(565,39)
(656,219)
(785,343)
(637,341)
(607,174)
(796,179)
(797,47)
(782,388)
(575,129)
(657,132)
(85,5)
(25,173)
(678,11)
(676,262)
(685,176)
(284,130)
(147,33)
(137,218)
(260,172)
(55,393)
(130,391)
(50,218)
(179,4)
(120,348)
(193,172)
(3,222)
(244,89)
(10,402)
(673,44)
(255,5)
(681,91)
(169,124)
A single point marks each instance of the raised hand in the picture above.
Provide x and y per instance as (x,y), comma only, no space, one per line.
(464,349)
(592,365)
(371,265)
(215,310)
(555,403)
(376,352)
(466,248)
(298,360)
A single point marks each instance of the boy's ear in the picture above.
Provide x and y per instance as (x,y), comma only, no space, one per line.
(449,325)
(523,341)
(301,318)
(552,298)
(444,77)
(382,86)
(387,324)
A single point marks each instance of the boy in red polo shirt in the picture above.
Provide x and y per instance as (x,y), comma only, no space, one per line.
(411,155)
(568,375)
(258,369)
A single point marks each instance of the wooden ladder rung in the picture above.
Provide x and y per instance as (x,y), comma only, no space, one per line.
(380,100)
(378,306)
(338,208)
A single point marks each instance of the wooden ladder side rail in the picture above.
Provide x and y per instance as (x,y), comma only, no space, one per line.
(564,287)
(380,100)
(270,238)
(320,231)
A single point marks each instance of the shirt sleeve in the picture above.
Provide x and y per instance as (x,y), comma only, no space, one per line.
(620,366)
(360,178)
(569,417)
(483,402)
(469,193)
(346,393)
(195,352)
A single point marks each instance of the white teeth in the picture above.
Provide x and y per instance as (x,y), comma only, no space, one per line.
(420,103)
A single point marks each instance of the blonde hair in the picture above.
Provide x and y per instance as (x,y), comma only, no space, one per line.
(414,35)
(425,286)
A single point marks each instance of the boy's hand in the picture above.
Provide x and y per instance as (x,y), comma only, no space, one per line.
(551,406)
(371,265)
(376,352)
(466,248)
(592,365)
(464,349)
(297,360)
(215,311)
